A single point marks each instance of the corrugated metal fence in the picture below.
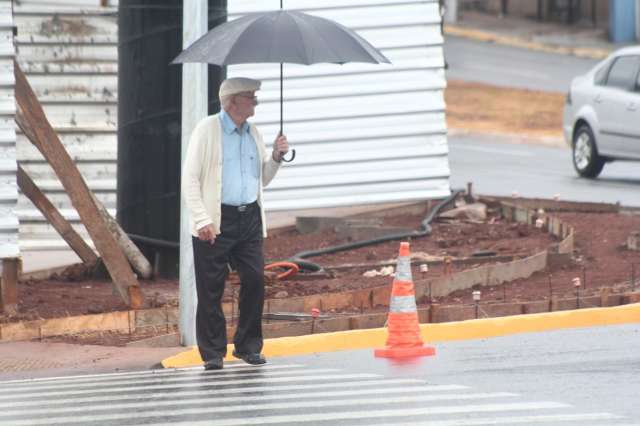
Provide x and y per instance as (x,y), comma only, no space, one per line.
(8,165)
(68,50)
(363,133)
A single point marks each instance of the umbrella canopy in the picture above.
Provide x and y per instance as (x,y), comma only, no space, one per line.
(280,36)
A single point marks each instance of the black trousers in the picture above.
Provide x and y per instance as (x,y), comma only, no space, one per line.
(239,243)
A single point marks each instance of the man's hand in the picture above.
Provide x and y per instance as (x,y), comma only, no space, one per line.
(280,148)
(206,233)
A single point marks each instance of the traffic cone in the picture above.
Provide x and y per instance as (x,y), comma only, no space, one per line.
(404,331)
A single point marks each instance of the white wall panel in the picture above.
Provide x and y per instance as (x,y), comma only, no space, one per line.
(74,75)
(8,165)
(363,133)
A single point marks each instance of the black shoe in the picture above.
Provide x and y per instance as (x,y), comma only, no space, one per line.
(214,363)
(253,359)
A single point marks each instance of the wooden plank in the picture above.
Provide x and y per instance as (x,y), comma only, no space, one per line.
(137,260)
(66,231)
(32,120)
(9,286)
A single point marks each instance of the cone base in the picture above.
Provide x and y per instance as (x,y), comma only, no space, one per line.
(409,352)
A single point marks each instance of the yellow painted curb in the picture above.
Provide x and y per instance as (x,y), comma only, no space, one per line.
(431,333)
(582,52)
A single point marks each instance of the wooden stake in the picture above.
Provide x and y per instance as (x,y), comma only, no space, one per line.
(9,286)
(32,120)
(140,263)
(66,231)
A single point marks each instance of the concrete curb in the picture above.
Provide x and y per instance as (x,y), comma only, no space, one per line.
(486,36)
(432,333)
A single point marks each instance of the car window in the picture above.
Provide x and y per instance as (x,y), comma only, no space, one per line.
(600,77)
(623,72)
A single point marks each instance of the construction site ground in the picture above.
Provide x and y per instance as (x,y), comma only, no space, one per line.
(599,255)
(533,116)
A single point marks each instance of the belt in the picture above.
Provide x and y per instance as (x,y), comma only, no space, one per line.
(239,209)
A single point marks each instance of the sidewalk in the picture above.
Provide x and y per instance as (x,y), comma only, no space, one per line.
(30,360)
(579,40)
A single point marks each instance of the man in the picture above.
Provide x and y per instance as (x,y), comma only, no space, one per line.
(222,179)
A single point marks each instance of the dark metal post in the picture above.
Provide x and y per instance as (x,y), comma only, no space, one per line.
(584,277)
(233,305)
(315,313)
(504,7)
(476,300)
(570,12)
(539,14)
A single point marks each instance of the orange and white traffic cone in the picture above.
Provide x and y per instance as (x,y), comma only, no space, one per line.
(404,331)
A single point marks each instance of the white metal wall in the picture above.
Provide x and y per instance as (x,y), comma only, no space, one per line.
(363,133)
(68,50)
(8,165)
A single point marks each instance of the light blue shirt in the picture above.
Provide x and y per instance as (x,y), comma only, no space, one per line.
(240,163)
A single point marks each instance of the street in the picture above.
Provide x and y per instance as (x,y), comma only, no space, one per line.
(575,376)
(531,170)
(499,168)
(471,60)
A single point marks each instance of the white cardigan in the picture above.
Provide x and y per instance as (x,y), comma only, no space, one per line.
(202,174)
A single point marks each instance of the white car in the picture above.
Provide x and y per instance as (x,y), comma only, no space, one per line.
(602,113)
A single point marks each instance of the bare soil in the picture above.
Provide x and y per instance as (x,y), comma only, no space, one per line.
(600,256)
(485,108)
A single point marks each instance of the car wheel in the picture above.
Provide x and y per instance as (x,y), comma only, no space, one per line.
(586,160)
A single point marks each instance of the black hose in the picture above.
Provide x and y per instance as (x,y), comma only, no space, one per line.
(425,229)
(155,242)
(304,265)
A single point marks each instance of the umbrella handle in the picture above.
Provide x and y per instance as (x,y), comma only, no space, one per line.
(293,155)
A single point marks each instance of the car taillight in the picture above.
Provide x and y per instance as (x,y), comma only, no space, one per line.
(568,97)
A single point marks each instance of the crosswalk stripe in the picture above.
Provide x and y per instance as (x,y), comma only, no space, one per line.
(307,417)
(248,398)
(267,380)
(546,418)
(228,370)
(100,376)
(220,393)
(203,378)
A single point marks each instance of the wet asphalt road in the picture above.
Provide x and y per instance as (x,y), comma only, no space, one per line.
(581,376)
(507,66)
(498,168)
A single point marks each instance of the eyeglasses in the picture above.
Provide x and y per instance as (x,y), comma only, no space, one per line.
(250,97)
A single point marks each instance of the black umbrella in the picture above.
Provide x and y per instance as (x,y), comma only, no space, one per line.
(277,37)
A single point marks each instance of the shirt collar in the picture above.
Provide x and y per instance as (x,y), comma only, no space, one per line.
(229,126)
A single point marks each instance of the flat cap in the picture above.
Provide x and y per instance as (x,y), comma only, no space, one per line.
(232,86)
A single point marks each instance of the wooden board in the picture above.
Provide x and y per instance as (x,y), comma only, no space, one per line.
(9,286)
(66,231)
(32,120)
